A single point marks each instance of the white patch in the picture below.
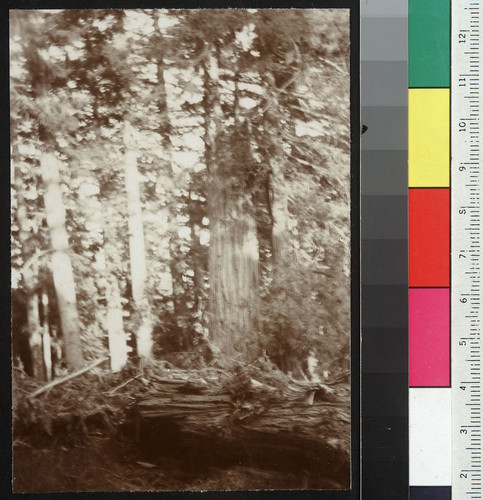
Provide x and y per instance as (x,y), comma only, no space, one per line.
(429,436)
(312,363)
(73,53)
(204,237)
(312,129)
(184,159)
(247,103)
(184,232)
(144,340)
(250,245)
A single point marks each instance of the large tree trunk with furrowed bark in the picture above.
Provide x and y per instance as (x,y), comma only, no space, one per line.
(233,264)
(233,253)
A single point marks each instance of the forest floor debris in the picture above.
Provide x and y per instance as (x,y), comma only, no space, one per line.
(85,434)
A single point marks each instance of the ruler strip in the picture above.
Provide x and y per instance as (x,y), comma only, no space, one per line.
(466,217)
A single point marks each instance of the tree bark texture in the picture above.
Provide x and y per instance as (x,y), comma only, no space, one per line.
(303,428)
(233,251)
(137,252)
(233,264)
(61,263)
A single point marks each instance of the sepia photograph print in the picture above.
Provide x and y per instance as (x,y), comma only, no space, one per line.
(181,249)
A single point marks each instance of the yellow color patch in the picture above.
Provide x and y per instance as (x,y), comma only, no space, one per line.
(429,136)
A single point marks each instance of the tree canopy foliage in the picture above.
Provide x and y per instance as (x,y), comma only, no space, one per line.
(203,185)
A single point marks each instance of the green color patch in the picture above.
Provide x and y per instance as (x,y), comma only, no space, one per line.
(429,43)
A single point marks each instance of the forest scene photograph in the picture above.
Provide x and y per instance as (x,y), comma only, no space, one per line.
(180,249)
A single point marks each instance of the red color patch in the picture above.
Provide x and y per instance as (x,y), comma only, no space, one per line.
(429,237)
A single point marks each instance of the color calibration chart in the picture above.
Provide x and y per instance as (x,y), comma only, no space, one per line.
(445,258)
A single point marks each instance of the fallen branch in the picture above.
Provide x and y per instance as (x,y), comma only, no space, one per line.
(67,377)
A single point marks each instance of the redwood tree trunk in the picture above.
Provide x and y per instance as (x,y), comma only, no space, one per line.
(233,252)
(61,264)
(233,265)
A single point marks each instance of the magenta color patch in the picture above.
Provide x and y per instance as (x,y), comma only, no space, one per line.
(429,337)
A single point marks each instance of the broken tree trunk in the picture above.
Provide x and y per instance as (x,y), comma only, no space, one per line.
(303,428)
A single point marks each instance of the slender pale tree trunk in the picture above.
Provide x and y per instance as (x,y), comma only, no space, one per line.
(115,326)
(144,341)
(233,253)
(61,263)
(196,251)
(117,340)
(46,340)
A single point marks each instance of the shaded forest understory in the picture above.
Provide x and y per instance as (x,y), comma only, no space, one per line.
(171,429)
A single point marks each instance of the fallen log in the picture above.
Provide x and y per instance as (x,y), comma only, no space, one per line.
(302,428)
